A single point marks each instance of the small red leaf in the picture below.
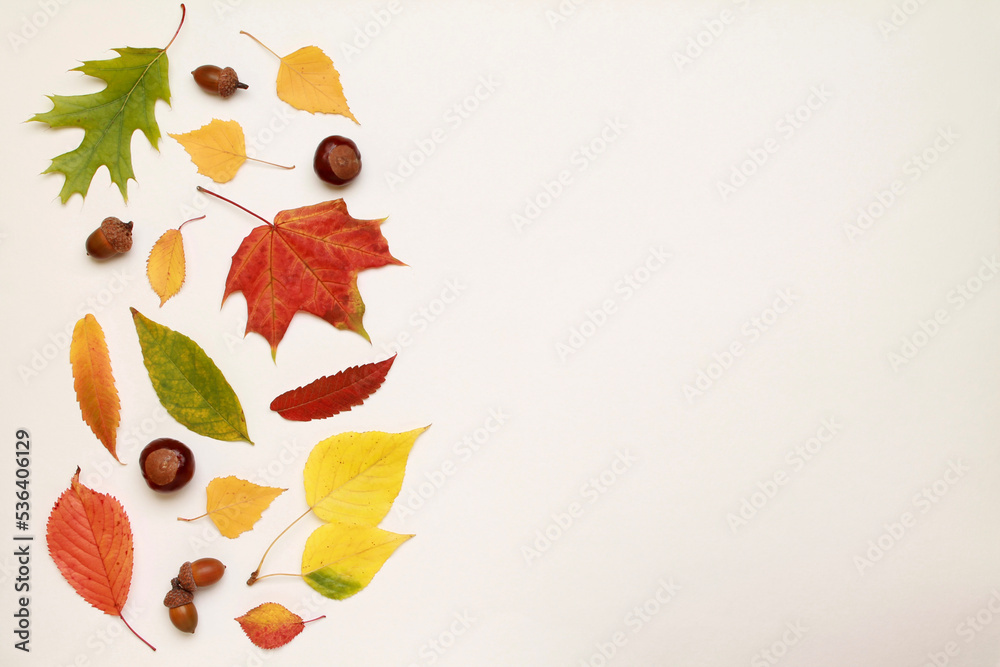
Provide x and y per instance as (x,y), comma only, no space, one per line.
(271,625)
(332,394)
(90,540)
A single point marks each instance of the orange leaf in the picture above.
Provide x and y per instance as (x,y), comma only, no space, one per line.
(94,384)
(307,261)
(90,540)
(271,625)
(308,80)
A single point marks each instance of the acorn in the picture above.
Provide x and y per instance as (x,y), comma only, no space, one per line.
(217,80)
(184,617)
(112,238)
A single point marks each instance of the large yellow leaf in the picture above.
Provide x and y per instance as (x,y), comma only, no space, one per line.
(354,477)
(94,383)
(235,505)
(308,80)
(165,266)
(217,149)
(341,559)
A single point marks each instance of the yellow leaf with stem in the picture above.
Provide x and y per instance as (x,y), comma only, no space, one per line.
(340,559)
(308,80)
(94,383)
(218,149)
(165,266)
(235,505)
(354,477)
(351,480)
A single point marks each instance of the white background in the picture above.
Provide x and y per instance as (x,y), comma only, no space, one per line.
(682,127)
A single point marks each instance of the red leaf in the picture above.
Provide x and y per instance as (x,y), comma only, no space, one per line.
(332,394)
(90,540)
(271,625)
(308,261)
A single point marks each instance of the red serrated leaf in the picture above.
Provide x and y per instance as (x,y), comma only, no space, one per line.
(332,394)
(90,540)
(308,261)
(271,625)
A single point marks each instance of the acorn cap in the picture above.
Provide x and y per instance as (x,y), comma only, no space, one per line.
(177,597)
(228,82)
(118,233)
(185,578)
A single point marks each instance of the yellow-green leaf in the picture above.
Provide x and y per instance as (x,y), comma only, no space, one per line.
(354,477)
(235,505)
(340,559)
(94,383)
(188,383)
(165,266)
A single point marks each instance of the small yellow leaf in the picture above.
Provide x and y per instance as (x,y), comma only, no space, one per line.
(354,477)
(235,505)
(217,149)
(165,266)
(308,80)
(341,559)
(94,383)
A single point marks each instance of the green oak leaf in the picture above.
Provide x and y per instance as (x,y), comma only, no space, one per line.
(136,79)
(188,383)
(340,559)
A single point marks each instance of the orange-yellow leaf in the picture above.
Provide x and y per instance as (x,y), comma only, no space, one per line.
(217,149)
(271,625)
(165,266)
(235,505)
(308,80)
(90,539)
(94,384)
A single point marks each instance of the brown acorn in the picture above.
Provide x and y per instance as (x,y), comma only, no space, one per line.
(112,238)
(184,617)
(217,80)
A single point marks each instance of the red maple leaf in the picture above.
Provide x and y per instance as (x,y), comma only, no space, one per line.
(308,261)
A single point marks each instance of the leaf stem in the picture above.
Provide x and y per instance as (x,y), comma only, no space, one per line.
(314,619)
(202,516)
(243,208)
(187,221)
(254,575)
(275,574)
(134,632)
(281,166)
(183,14)
(244,32)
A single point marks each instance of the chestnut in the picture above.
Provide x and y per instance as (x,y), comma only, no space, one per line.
(166,464)
(337,160)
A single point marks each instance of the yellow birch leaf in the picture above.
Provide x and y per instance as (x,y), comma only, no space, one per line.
(165,266)
(341,559)
(94,383)
(308,80)
(235,505)
(217,149)
(354,477)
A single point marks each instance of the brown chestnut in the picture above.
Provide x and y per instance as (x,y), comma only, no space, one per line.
(337,160)
(166,464)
